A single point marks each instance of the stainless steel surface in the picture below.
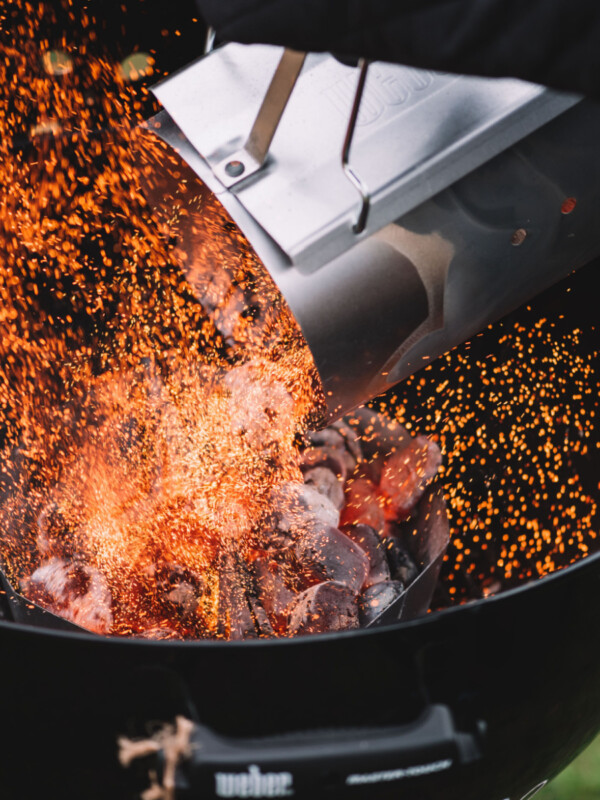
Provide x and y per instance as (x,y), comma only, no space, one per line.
(418,133)
(209,42)
(247,161)
(445,265)
(350,172)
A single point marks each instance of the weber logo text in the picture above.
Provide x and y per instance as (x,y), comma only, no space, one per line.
(253,783)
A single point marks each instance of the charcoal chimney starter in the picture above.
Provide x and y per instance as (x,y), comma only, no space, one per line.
(399,211)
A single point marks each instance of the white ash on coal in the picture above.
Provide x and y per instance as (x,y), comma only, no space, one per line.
(326,554)
(342,546)
(377,598)
(72,590)
(374,547)
(327,483)
(324,608)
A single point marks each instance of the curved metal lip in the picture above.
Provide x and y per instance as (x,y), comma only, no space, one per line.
(420,132)
(430,619)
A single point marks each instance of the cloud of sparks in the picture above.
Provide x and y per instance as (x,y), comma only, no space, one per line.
(149,399)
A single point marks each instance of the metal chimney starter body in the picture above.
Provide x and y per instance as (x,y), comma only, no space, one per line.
(399,211)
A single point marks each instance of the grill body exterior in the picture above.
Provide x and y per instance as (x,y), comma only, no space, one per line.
(519,689)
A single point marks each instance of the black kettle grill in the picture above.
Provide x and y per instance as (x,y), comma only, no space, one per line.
(487,700)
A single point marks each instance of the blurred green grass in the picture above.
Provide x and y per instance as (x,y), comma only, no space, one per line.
(580,781)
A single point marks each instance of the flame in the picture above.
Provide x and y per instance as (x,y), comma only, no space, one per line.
(153,385)
(152,389)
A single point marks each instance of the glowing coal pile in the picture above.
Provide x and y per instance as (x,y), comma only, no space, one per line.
(191,514)
(155,391)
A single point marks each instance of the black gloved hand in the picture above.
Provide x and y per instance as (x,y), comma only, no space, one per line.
(555,42)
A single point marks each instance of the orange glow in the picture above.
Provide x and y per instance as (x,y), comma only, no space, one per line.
(151,400)
(532,403)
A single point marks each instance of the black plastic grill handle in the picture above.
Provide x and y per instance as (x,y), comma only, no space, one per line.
(329,763)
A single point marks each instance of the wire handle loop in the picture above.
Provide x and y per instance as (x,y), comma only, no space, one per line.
(349,170)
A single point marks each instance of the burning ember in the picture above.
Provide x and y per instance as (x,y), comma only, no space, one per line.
(159,476)
(158,394)
(187,510)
